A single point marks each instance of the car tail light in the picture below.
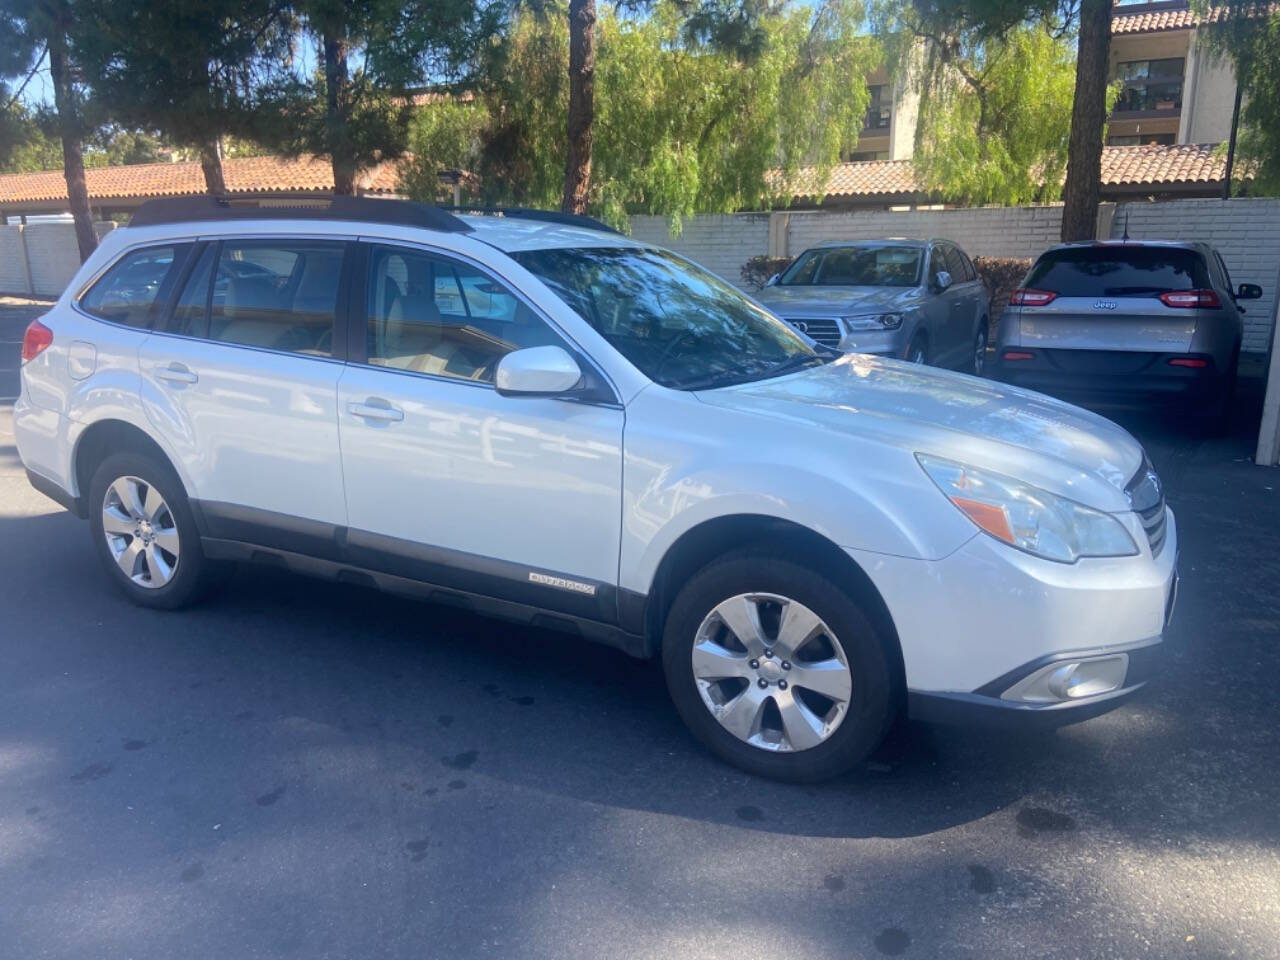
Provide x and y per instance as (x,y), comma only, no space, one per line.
(1195,363)
(1190,298)
(1019,355)
(1031,298)
(36,340)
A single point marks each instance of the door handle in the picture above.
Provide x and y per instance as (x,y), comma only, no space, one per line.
(176,373)
(373,409)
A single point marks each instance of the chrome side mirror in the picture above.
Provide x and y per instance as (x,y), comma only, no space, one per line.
(537,372)
(772,280)
(942,280)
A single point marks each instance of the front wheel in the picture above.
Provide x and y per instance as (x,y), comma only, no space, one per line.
(776,669)
(145,534)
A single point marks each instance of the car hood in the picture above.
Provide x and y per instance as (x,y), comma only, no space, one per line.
(1022,434)
(825,301)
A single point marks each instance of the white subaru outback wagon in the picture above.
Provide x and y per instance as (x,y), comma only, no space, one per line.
(539,418)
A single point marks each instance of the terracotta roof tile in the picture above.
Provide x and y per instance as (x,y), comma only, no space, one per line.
(243,175)
(1121,167)
(1148,20)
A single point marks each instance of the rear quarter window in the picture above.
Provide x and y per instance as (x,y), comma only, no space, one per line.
(1118,272)
(132,288)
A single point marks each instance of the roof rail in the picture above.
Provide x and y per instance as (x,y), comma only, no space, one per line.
(548,216)
(312,206)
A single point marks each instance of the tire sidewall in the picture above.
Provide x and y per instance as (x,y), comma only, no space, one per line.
(191,563)
(870,709)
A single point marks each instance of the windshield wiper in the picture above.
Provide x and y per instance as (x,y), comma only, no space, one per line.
(798,362)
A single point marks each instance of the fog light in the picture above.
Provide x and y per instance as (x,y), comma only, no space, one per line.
(1071,680)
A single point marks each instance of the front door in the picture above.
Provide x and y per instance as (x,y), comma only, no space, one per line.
(242,384)
(449,482)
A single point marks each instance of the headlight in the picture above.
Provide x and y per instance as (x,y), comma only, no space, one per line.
(874,321)
(1026,517)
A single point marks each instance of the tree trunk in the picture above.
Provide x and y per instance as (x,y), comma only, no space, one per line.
(72,151)
(211,164)
(1088,117)
(337,83)
(582,85)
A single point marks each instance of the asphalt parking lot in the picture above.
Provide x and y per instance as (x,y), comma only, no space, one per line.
(297,769)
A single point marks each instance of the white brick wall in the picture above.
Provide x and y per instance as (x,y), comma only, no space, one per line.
(980,231)
(1246,232)
(13,271)
(52,253)
(721,243)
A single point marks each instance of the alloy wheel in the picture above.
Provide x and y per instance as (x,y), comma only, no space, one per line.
(141,532)
(772,672)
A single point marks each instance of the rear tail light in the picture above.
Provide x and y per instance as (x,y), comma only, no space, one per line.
(1031,298)
(1018,355)
(36,340)
(1190,298)
(1195,363)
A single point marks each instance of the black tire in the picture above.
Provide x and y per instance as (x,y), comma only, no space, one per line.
(982,337)
(872,704)
(918,350)
(1214,419)
(193,574)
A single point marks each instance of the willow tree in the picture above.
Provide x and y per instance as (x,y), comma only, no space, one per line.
(683,124)
(1248,34)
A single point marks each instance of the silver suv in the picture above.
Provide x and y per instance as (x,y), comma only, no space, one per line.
(1124,323)
(918,300)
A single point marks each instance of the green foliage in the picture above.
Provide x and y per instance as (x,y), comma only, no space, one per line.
(996,81)
(354,107)
(1250,37)
(997,131)
(682,124)
(443,136)
(187,69)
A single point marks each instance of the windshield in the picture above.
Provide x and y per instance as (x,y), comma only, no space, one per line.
(681,326)
(1118,271)
(854,267)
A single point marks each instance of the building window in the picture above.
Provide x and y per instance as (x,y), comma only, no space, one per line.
(1140,139)
(866,155)
(1150,85)
(878,108)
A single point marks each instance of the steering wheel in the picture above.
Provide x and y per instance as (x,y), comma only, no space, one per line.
(669,351)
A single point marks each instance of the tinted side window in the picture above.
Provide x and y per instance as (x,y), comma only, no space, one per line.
(432,315)
(130,291)
(279,295)
(1118,271)
(970,271)
(955,265)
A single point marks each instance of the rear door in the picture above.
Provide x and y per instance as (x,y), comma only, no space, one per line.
(1107,298)
(242,383)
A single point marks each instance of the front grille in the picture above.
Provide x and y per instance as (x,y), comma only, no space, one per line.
(1146,496)
(825,330)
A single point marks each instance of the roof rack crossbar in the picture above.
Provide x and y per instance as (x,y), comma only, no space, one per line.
(547,216)
(305,206)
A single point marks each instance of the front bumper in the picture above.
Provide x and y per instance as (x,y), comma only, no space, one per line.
(981,628)
(1112,377)
(987,707)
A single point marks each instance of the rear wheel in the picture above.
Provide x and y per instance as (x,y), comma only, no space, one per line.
(980,349)
(145,534)
(776,669)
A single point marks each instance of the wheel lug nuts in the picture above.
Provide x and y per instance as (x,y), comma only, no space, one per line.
(762,682)
(769,654)
(782,684)
(786,664)
(755,664)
